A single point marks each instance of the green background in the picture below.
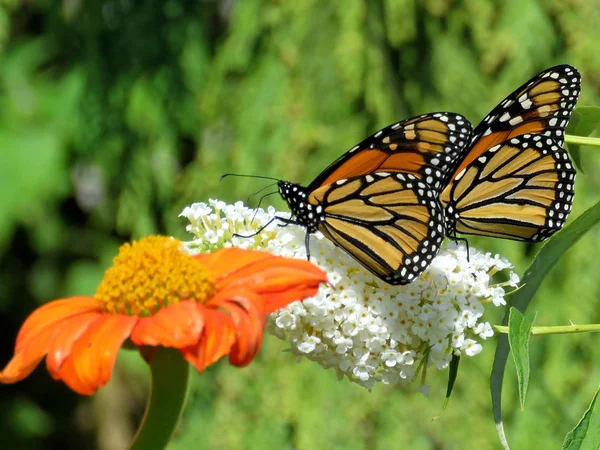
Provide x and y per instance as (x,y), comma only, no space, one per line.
(115,115)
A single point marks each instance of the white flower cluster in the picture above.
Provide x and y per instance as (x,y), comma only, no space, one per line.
(362,327)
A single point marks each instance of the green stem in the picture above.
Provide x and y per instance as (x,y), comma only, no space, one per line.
(170,377)
(582,140)
(565,329)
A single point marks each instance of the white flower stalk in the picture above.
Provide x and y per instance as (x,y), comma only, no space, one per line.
(363,327)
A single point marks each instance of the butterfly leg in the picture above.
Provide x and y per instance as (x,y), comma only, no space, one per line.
(307,245)
(468,251)
(282,219)
(286,222)
(453,237)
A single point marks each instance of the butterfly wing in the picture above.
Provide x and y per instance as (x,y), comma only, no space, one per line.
(391,223)
(542,106)
(520,189)
(425,146)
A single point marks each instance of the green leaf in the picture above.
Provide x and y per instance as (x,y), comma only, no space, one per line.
(535,274)
(586,434)
(452,374)
(519,332)
(584,120)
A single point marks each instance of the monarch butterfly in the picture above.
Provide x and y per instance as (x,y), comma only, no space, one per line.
(379,201)
(515,180)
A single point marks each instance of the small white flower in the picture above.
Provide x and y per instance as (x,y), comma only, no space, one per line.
(408,358)
(439,345)
(390,357)
(363,328)
(420,328)
(286,321)
(498,296)
(484,330)
(309,344)
(350,328)
(343,346)
(458,338)
(362,372)
(471,347)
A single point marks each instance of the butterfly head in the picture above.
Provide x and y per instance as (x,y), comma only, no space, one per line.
(304,212)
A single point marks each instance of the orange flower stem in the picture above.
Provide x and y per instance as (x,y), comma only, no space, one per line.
(170,377)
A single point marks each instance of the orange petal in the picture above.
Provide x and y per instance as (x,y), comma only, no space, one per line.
(62,343)
(224,262)
(176,326)
(92,359)
(274,301)
(52,314)
(39,331)
(25,361)
(218,336)
(277,279)
(246,311)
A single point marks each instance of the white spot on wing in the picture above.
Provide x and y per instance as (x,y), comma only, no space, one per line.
(516,120)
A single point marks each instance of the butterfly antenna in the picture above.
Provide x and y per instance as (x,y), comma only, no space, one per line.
(247,176)
(259,202)
(258,192)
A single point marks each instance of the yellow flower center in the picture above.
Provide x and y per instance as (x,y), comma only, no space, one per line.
(151,274)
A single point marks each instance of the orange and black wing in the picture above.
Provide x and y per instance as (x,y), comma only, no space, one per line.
(520,189)
(541,106)
(425,146)
(391,223)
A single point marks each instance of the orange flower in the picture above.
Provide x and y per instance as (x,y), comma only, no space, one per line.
(206,306)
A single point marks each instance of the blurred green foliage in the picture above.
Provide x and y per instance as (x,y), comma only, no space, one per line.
(116,114)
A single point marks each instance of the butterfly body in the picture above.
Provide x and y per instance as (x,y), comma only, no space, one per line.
(304,213)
